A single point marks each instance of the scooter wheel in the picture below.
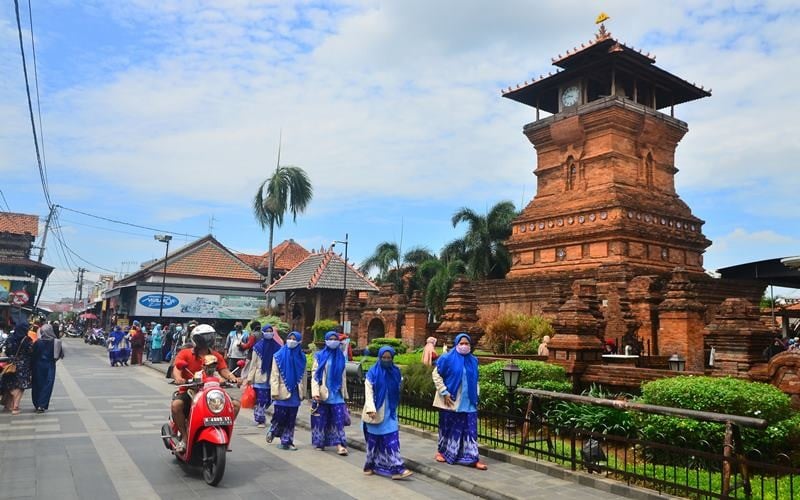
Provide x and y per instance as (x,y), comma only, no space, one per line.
(166,431)
(213,462)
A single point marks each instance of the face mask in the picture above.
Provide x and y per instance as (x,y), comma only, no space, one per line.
(332,344)
(179,329)
(462,349)
(291,343)
(268,335)
(386,363)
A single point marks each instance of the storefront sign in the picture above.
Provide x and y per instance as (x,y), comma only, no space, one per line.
(196,305)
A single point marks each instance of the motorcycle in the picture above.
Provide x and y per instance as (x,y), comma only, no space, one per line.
(95,337)
(209,425)
(73,332)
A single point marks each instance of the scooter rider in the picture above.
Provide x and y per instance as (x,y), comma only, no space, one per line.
(202,337)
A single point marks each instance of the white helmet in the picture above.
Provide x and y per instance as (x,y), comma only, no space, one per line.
(203,336)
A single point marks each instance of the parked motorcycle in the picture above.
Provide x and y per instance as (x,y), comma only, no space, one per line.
(95,337)
(73,331)
(209,426)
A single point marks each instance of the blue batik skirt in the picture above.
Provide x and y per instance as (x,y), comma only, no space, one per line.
(458,436)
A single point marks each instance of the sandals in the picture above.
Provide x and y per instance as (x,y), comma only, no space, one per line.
(402,475)
(289,447)
(342,451)
(368,472)
(440,458)
(270,437)
(15,411)
(480,466)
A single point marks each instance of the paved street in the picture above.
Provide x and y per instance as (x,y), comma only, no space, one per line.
(100,440)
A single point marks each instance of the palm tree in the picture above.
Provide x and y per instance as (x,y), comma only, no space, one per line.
(287,189)
(483,246)
(385,257)
(394,268)
(438,277)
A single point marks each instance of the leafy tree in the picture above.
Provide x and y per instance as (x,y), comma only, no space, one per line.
(482,248)
(439,277)
(392,268)
(287,189)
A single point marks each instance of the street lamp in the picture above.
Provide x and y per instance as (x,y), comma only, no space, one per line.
(676,363)
(344,281)
(163,238)
(511,379)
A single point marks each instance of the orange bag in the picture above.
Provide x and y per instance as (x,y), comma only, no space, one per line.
(248,397)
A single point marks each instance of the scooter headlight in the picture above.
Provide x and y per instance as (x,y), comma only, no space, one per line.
(215,400)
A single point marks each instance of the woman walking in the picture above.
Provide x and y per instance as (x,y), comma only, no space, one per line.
(156,341)
(287,382)
(44,368)
(381,399)
(137,343)
(329,390)
(429,353)
(20,347)
(259,373)
(118,350)
(456,381)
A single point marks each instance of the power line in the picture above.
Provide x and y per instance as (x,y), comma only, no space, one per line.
(70,250)
(42,176)
(8,207)
(131,224)
(38,101)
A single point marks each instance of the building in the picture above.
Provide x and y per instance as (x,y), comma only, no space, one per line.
(202,280)
(288,254)
(20,276)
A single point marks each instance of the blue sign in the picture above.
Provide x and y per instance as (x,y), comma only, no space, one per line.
(153,301)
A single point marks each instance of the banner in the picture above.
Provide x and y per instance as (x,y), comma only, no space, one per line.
(198,306)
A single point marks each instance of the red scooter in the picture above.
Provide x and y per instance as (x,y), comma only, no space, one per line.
(209,426)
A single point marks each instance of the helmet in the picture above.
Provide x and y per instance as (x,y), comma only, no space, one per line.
(203,336)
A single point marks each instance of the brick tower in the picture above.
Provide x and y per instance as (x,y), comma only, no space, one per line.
(605,167)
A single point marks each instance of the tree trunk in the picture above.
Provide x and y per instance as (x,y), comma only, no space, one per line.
(271,266)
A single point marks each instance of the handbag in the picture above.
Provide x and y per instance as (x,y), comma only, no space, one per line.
(11,368)
(248,397)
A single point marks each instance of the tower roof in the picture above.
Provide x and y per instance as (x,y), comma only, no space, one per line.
(597,57)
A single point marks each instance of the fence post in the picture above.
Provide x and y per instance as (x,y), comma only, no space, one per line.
(727,451)
(573,458)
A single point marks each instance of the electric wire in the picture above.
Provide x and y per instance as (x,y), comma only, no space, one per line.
(42,177)
(127,223)
(74,253)
(38,100)
(8,207)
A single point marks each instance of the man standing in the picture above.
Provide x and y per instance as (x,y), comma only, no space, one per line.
(235,345)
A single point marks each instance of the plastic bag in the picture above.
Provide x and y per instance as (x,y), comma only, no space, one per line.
(248,397)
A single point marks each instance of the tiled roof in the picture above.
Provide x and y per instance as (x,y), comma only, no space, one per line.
(19,223)
(204,258)
(325,271)
(287,255)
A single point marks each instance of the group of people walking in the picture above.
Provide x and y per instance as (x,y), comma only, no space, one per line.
(277,374)
(33,351)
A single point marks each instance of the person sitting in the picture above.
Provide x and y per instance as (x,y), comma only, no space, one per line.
(194,360)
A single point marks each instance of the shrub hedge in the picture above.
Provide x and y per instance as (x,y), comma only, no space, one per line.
(397,344)
(321,327)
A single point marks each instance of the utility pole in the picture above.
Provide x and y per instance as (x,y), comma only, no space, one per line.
(78,286)
(46,229)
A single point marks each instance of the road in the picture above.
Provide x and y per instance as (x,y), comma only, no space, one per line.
(100,440)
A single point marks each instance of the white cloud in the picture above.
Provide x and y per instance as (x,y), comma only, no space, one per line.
(740,246)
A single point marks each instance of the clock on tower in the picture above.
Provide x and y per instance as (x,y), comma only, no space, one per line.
(606,166)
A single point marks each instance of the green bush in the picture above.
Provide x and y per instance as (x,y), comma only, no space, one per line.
(524,347)
(534,375)
(531,371)
(508,329)
(565,415)
(397,344)
(321,327)
(720,395)
(276,322)
(418,382)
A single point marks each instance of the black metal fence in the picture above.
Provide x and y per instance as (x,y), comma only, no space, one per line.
(674,468)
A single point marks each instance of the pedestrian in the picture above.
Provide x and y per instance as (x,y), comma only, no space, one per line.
(166,348)
(259,374)
(20,347)
(456,381)
(329,390)
(137,343)
(776,347)
(429,352)
(381,399)
(235,345)
(156,342)
(43,366)
(118,350)
(543,349)
(287,384)
(33,330)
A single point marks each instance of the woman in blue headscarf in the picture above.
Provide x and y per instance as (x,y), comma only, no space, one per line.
(329,390)
(456,380)
(19,347)
(287,383)
(118,347)
(258,374)
(156,343)
(381,399)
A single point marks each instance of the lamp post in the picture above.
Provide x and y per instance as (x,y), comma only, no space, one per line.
(511,379)
(344,281)
(676,363)
(163,238)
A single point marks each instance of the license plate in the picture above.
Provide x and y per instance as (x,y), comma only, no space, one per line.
(211,421)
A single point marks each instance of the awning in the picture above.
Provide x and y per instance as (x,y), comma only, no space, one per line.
(771,272)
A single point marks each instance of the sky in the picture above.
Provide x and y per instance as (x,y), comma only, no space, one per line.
(168,114)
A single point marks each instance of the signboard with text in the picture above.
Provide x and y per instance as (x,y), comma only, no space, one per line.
(197,305)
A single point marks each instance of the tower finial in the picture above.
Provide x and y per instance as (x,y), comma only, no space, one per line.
(602,33)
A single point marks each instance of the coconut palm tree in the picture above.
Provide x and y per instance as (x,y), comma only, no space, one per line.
(438,277)
(394,268)
(483,246)
(287,189)
(385,258)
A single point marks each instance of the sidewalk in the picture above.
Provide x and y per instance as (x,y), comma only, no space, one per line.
(510,476)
